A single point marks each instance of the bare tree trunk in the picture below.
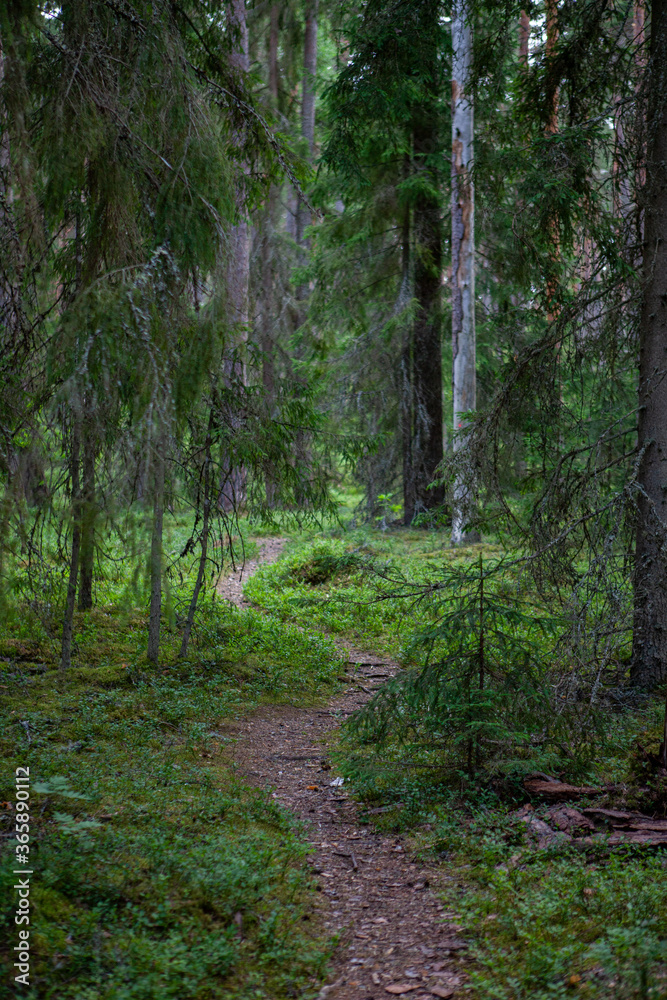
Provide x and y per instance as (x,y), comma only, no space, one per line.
(68,621)
(270,225)
(201,571)
(153,650)
(303,217)
(524,38)
(88,511)
(238,270)
(427,431)
(553,306)
(407,379)
(649,651)
(464,387)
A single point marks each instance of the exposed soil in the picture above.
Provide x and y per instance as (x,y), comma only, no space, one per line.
(395,938)
(230,587)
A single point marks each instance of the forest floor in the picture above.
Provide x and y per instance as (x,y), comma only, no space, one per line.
(378,899)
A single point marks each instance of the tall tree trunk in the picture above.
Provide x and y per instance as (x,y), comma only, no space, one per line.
(303,217)
(553,96)
(649,649)
(206,521)
(524,38)
(406,378)
(464,386)
(153,650)
(239,267)
(268,270)
(88,512)
(68,621)
(427,430)
(238,270)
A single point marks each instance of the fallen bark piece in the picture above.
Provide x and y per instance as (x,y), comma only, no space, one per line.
(538,831)
(558,790)
(569,820)
(637,837)
(659,825)
(611,816)
(398,989)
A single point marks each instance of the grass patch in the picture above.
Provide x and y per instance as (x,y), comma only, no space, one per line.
(559,923)
(569,921)
(169,877)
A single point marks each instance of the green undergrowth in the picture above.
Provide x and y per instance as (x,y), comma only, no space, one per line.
(445,764)
(334,581)
(565,922)
(157,872)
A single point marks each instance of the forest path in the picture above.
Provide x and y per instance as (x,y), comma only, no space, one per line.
(394,935)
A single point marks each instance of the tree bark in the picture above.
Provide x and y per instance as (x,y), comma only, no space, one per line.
(153,650)
(268,269)
(649,651)
(238,271)
(68,621)
(88,512)
(427,430)
(201,571)
(524,38)
(406,378)
(464,388)
(303,217)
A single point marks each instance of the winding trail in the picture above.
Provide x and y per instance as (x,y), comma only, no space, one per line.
(395,938)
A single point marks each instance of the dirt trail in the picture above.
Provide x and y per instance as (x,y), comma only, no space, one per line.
(395,938)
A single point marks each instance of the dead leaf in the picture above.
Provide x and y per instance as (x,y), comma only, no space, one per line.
(574,979)
(442,991)
(398,989)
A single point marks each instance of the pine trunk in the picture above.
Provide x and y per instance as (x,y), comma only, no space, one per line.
(464,388)
(524,39)
(68,621)
(406,378)
(153,650)
(88,511)
(303,218)
(238,270)
(205,532)
(649,652)
(427,430)
(268,270)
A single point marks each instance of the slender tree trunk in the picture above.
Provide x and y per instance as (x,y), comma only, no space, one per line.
(68,621)
(232,493)
(553,305)
(239,267)
(649,652)
(88,511)
(407,378)
(303,217)
(464,387)
(268,269)
(427,433)
(524,39)
(153,650)
(201,571)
